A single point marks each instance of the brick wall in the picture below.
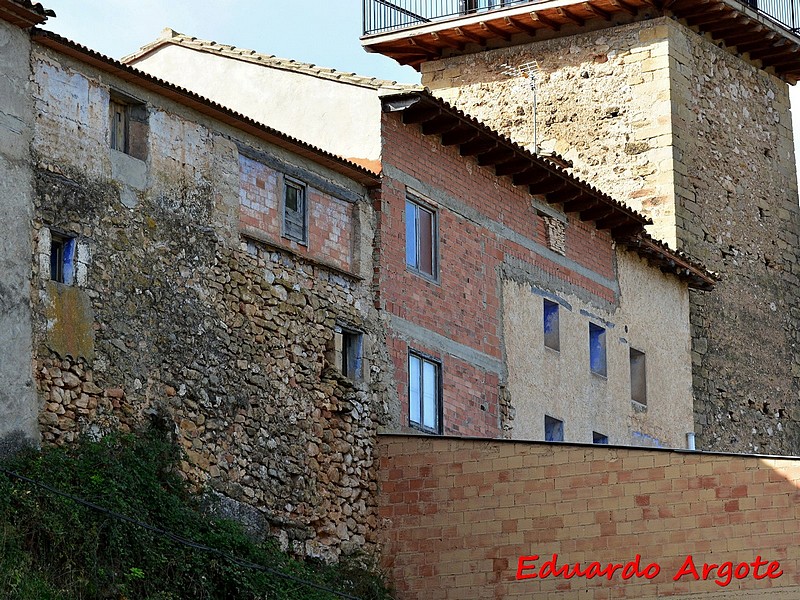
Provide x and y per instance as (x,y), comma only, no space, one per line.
(330,220)
(483,223)
(458,514)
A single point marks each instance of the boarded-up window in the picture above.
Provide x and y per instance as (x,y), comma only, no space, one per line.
(294,211)
(638,377)
(421,238)
(128,126)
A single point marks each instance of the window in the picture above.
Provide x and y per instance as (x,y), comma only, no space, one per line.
(553,429)
(129,127)
(421,238)
(62,258)
(347,352)
(638,377)
(551,337)
(424,394)
(597,349)
(294,211)
(599,438)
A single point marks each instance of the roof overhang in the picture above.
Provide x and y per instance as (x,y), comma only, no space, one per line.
(206,107)
(542,177)
(24,13)
(751,33)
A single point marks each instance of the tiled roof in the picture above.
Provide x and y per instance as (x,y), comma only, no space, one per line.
(169,36)
(24,13)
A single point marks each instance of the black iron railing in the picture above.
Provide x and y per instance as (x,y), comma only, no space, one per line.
(381,16)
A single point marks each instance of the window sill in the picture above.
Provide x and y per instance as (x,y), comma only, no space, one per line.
(638,407)
(423,275)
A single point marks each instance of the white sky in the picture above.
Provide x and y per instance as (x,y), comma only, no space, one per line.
(322,32)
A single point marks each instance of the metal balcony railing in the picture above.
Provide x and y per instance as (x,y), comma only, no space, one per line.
(381,16)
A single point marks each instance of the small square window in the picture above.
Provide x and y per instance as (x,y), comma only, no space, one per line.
(347,352)
(424,394)
(597,349)
(599,438)
(62,258)
(421,234)
(129,126)
(553,429)
(638,377)
(295,213)
(551,336)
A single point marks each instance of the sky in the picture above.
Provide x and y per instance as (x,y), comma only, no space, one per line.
(321,32)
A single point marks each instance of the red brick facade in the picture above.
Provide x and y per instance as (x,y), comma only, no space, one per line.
(483,221)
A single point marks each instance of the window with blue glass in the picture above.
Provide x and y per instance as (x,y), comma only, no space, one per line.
(597,349)
(62,258)
(553,429)
(551,335)
(421,238)
(424,394)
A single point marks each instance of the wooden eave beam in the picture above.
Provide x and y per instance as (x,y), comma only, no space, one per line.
(780,48)
(447,41)
(548,186)
(563,12)
(791,59)
(598,211)
(512,167)
(564,195)
(495,30)
(579,204)
(708,16)
(496,156)
(599,12)
(420,114)
(611,221)
(726,27)
(471,36)
(459,135)
(531,176)
(621,4)
(511,22)
(439,124)
(434,51)
(477,146)
(625,230)
(537,18)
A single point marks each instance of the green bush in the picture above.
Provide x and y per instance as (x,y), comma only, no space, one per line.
(52,547)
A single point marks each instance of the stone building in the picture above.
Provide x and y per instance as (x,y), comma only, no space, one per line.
(273,305)
(681,110)
(172,261)
(501,258)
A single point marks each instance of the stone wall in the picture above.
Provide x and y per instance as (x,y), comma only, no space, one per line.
(479,519)
(698,139)
(17,394)
(181,316)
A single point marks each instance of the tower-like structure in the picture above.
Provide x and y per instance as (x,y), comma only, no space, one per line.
(679,108)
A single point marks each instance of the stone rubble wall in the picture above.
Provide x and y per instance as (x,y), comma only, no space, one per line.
(178,322)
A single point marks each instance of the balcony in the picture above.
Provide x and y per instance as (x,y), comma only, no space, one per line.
(416,31)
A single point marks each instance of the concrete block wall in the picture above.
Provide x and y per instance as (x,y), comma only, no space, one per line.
(459,515)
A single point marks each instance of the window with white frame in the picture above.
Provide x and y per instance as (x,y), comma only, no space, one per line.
(421,234)
(295,211)
(424,393)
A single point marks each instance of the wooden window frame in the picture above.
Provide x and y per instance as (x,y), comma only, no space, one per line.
(286,224)
(417,249)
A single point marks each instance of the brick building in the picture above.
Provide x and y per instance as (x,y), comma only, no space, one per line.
(471,263)
(679,109)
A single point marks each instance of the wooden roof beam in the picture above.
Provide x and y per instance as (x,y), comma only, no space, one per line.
(563,12)
(425,46)
(550,184)
(531,176)
(625,230)
(621,4)
(459,135)
(496,156)
(511,167)
(565,195)
(599,12)
(495,30)
(439,124)
(597,211)
(420,114)
(477,146)
(471,36)
(447,41)
(611,221)
(549,23)
(511,22)
(579,204)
